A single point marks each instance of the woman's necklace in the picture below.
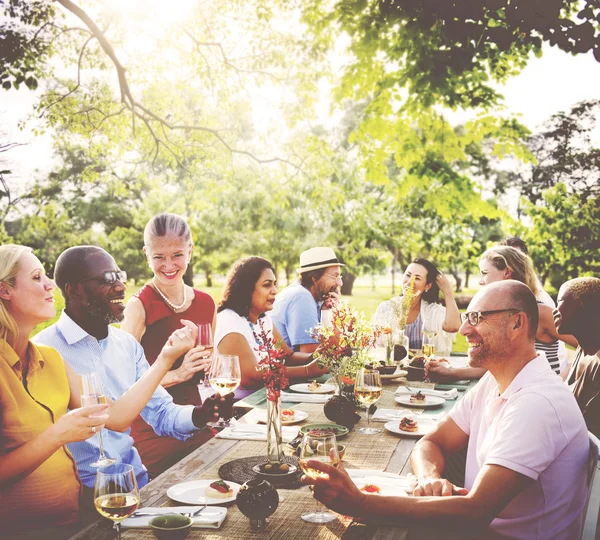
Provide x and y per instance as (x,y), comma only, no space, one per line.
(173,306)
(258,340)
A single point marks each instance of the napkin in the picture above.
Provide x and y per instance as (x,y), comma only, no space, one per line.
(288,397)
(385,415)
(446,394)
(211,517)
(254,432)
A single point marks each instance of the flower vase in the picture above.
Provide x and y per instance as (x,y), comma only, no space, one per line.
(274,436)
(400,349)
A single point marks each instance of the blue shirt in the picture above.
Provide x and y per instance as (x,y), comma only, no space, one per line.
(119,360)
(295,313)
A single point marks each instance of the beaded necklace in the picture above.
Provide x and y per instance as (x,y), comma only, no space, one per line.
(173,306)
(256,338)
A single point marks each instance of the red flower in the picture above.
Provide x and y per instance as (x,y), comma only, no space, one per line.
(271,365)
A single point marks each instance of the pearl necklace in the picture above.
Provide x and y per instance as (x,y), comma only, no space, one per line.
(173,306)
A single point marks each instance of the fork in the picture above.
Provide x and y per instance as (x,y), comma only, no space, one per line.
(196,513)
(188,514)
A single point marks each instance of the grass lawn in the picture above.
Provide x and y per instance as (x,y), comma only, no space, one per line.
(363,298)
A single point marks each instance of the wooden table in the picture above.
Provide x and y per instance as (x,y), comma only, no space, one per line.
(205,458)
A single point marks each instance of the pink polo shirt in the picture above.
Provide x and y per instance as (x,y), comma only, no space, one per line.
(534,428)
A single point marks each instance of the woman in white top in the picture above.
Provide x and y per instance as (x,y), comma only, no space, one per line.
(425,310)
(242,316)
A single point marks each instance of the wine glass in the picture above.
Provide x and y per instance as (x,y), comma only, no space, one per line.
(368,390)
(429,341)
(204,341)
(225,376)
(92,393)
(116,494)
(320,448)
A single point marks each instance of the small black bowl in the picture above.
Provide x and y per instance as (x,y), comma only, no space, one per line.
(171,526)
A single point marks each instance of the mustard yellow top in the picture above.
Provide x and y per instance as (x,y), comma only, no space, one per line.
(49,495)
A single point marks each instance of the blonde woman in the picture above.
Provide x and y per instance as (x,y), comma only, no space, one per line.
(505,262)
(39,483)
(151,315)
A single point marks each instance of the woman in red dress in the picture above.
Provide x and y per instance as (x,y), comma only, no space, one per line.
(152,315)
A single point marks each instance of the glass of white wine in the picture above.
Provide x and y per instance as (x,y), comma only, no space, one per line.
(368,390)
(116,493)
(225,376)
(322,448)
(429,340)
(92,393)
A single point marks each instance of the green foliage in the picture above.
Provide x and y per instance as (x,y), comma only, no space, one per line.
(447,52)
(564,241)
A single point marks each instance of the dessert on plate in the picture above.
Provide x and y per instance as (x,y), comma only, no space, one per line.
(219,490)
(314,385)
(419,397)
(288,415)
(408,424)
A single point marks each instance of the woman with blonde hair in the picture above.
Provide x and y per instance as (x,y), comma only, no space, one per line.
(151,315)
(505,262)
(39,483)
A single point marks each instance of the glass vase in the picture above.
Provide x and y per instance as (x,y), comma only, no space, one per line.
(400,348)
(274,438)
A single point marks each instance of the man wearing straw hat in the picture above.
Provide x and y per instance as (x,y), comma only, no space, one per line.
(298,308)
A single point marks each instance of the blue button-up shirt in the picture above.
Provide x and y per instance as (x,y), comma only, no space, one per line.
(119,360)
(295,314)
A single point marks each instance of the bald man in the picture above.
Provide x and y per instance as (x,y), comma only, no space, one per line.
(578,313)
(523,432)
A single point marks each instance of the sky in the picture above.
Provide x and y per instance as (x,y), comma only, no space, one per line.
(547,85)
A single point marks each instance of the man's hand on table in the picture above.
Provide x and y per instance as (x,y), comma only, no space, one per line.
(337,492)
(438,371)
(440,487)
(212,408)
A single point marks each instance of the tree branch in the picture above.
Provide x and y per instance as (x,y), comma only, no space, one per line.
(135,107)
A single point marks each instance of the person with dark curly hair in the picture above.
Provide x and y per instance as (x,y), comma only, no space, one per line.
(243,315)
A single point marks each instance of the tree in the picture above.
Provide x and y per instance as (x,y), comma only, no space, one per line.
(564,241)
(565,153)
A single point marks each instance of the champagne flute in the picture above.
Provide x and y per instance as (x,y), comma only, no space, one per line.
(116,493)
(429,340)
(204,341)
(92,393)
(320,448)
(225,376)
(368,390)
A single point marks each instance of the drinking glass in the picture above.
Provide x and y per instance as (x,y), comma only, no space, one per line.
(116,494)
(429,341)
(368,390)
(320,448)
(225,376)
(204,341)
(92,393)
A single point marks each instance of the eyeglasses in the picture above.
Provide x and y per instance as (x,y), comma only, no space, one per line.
(339,276)
(109,277)
(474,317)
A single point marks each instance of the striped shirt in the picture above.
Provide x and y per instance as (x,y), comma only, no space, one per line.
(119,360)
(551,352)
(414,331)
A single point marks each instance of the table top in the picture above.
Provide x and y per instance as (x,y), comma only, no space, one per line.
(384,452)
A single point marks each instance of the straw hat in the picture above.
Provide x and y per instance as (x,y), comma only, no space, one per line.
(317,257)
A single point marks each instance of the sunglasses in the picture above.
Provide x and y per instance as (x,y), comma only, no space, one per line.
(474,317)
(109,277)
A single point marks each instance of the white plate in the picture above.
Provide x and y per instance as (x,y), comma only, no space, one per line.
(303,388)
(298,417)
(423,427)
(390,483)
(195,492)
(429,403)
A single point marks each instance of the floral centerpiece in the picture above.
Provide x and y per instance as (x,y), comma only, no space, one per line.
(274,373)
(343,349)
